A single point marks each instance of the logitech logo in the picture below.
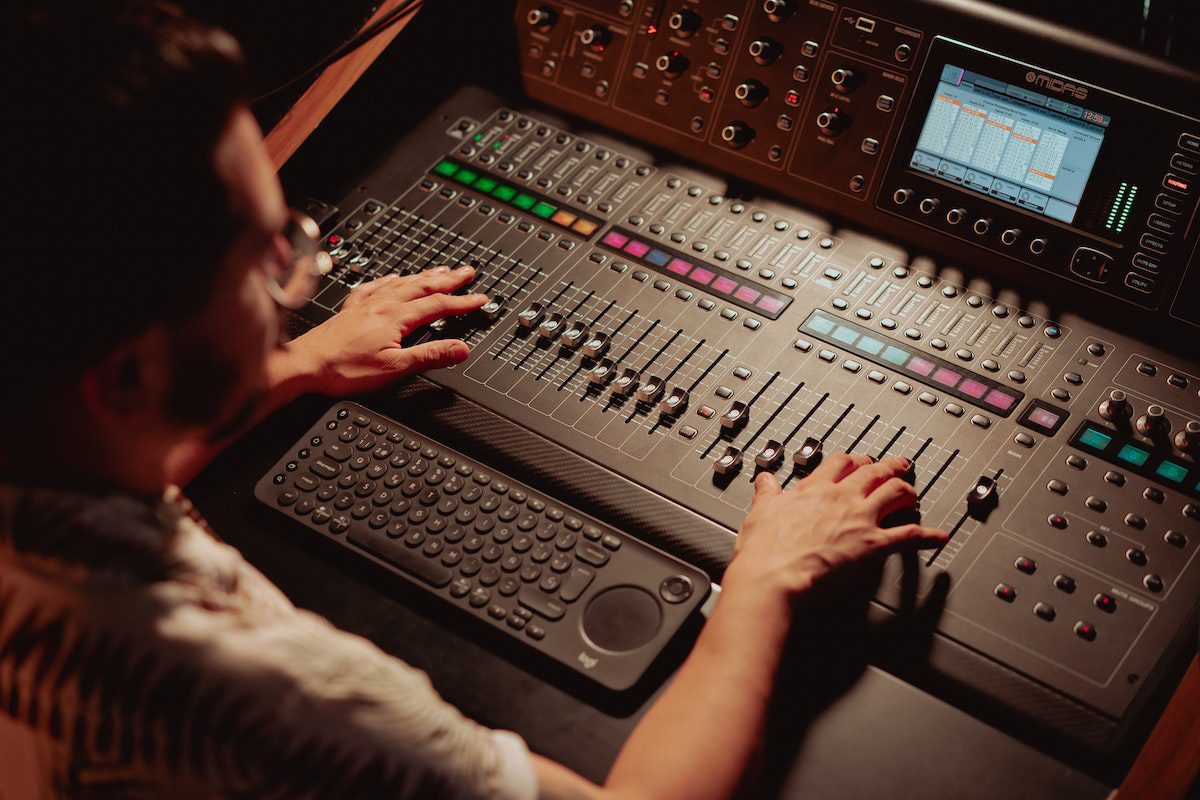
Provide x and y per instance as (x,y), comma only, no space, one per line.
(587,661)
(1056,85)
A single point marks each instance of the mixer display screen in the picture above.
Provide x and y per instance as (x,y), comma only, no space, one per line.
(1011,144)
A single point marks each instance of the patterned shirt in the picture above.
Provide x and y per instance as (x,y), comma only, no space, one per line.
(141,657)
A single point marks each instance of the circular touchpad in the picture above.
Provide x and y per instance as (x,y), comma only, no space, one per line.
(622,618)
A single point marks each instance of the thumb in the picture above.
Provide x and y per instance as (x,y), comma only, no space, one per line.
(433,355)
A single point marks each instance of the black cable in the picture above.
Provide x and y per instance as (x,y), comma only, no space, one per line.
(361,38)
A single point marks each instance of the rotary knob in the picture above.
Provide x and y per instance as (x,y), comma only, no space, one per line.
(1188,439)
(542,18)
(672,64)
(765,50)
(750,93)
(684,23)
(832,122)
(1116,408)
(1154,423)
(737,134)
(778,10)
(845,78)
(595,36)
(1010,236)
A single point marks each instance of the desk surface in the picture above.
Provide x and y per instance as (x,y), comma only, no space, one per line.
(880,738)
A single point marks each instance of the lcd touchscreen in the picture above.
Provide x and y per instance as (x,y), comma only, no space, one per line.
(1011,144)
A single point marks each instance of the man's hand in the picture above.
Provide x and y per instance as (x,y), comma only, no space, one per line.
(360,348)
(793,540)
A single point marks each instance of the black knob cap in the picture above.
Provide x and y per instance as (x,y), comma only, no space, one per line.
(542,18)
(684,23)
(737,134)
(778,10)
(750,92)
(764,50)
(1116,408)
(832,121)
(846,78)
(1154,422)
(1188,439)
(596,36)
(672,64)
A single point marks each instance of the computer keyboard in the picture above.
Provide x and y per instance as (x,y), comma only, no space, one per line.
(591,597)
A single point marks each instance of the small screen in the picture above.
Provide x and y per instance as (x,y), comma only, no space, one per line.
(1013,145)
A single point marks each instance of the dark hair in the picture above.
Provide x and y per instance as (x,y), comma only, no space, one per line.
(115,111)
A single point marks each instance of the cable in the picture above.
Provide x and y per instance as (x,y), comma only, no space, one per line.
(361,38)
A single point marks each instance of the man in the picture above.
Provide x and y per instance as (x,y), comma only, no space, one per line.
(140,656)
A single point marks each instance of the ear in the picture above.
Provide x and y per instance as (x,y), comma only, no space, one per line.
(130,382)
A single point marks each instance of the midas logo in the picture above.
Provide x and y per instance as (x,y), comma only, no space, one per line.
(1056,85)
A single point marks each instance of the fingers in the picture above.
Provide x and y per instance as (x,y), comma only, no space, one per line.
(868,477)
(433,355)
(425,310)
(364,290)
(837,466)
(892,495)
(909,537)
(432,281)
(766,485)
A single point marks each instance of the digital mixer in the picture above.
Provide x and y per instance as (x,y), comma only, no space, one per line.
(739,236)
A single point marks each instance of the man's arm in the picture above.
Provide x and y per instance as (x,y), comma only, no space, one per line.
(699,739)
(357,350)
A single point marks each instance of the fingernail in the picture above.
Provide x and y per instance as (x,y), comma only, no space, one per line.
(465,268)
(440,268)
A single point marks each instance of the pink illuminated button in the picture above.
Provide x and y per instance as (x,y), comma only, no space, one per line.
(723,284)
(973,388)
(946,377)
(637,249)
(920,366)
(701,275)
(771,305)
(999,399)
(747,294)
(615,239)
(679,266)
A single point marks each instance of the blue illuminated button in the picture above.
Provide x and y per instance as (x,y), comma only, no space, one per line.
(820,325)
(844,334)
(1172,471)
(1134,455)
(657,258)
(869,345)
(1094,438)
(895,355)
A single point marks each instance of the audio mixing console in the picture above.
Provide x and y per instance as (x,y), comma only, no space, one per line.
(658,334)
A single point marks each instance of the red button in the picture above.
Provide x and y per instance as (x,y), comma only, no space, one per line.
(1105,603)
(792,98)
(1085,630)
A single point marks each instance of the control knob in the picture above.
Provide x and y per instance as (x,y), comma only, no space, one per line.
(832,121)
(929,204)
(672,64)
(1037,246)
(684,23)
(595,36)
(765,50)
(737,134)
(1154,423)
(956,215)
(778,10)
(845,79)
(750,92)
(1010,236)
(1188,439)
(982,226)
(542,18)
(901,196)
(1116,408)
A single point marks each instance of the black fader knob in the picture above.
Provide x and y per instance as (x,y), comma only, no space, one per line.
(1153,423)
(737,134)
(684,23)
(1116,408)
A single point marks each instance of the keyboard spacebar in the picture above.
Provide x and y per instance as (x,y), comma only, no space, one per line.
(397,553)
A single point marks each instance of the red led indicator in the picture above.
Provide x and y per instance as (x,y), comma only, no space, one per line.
(792,98)
(651,30)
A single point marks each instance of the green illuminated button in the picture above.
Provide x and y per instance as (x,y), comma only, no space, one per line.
(485,184)
(1094,438)
(466,176)
(479,137)
(446,168)
(544,210)
(1134,455)
(1172,471)
(524,201)
(504,193)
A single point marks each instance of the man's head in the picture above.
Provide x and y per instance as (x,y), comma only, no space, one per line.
(134,294)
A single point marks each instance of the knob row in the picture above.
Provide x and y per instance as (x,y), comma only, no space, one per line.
(956,216)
